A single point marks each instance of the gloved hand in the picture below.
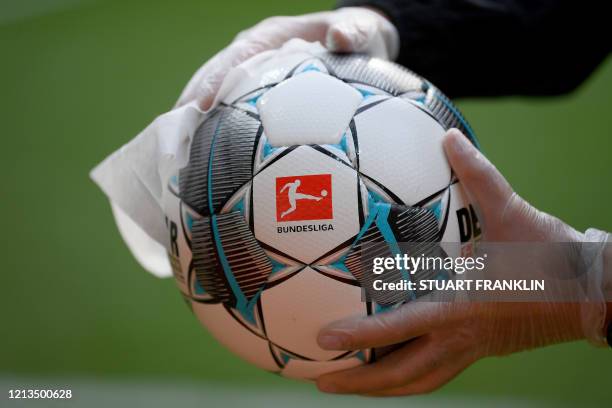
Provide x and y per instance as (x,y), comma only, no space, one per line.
(440,339)
(350,29)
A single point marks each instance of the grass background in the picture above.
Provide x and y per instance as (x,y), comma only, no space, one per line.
(80,78)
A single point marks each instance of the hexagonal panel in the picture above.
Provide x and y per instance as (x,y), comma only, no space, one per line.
(309,108)
(234,336)
(400,146)
(324,210)
(265,69)
(296,309)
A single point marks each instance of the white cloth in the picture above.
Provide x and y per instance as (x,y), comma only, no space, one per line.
(135,176)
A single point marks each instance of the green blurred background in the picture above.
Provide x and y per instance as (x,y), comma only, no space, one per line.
(78,78)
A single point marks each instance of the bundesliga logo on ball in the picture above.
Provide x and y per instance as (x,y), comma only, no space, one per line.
(313,192)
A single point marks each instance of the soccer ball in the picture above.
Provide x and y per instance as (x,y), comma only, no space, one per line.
(302,163)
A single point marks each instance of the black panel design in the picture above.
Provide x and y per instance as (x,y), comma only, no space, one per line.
(381,74)
(359,262)
(209,273)
(193,179)
(446,113)
(249,263)
(230,134)
(233,150)
(413,224)
(397,81)
(416,232)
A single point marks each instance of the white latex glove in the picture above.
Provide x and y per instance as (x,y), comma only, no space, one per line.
(350,29)
(440,339)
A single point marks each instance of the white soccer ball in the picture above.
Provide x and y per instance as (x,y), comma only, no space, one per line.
(304,162)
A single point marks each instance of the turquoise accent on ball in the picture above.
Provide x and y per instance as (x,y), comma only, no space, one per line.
(339,265)
(198,289)
(244,306)
(343,143)
(338,147)
(382,222)
(374,198)
(443,275)
(189,221)
(381,308)
(276,266)
(379,213)
(368,222)
(253,100)
(268,149)
(239,206)
(436,209)
(310,67)
(364,93)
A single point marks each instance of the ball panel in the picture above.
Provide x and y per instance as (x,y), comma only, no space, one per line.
(375,72)
(400,147)
(279,104)
(222,146)
(308,225)
(296,309)
(309,108)
(193,178)
(229,263)
(263,71)
(234,336)
(232,154)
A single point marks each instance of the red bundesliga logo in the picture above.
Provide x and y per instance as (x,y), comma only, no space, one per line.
(300,198)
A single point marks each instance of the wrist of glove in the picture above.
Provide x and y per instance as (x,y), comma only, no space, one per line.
(596,259)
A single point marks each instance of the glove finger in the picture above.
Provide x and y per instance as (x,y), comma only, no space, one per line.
(356,35)
(430,381)
(412,361)
(337,41)
(205,84)
(268,34)
(405,323)
(479,177)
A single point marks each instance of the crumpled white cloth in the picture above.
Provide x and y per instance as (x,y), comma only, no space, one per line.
(134,177)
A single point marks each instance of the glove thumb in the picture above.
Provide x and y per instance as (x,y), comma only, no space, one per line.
(363,32)
(481,180)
